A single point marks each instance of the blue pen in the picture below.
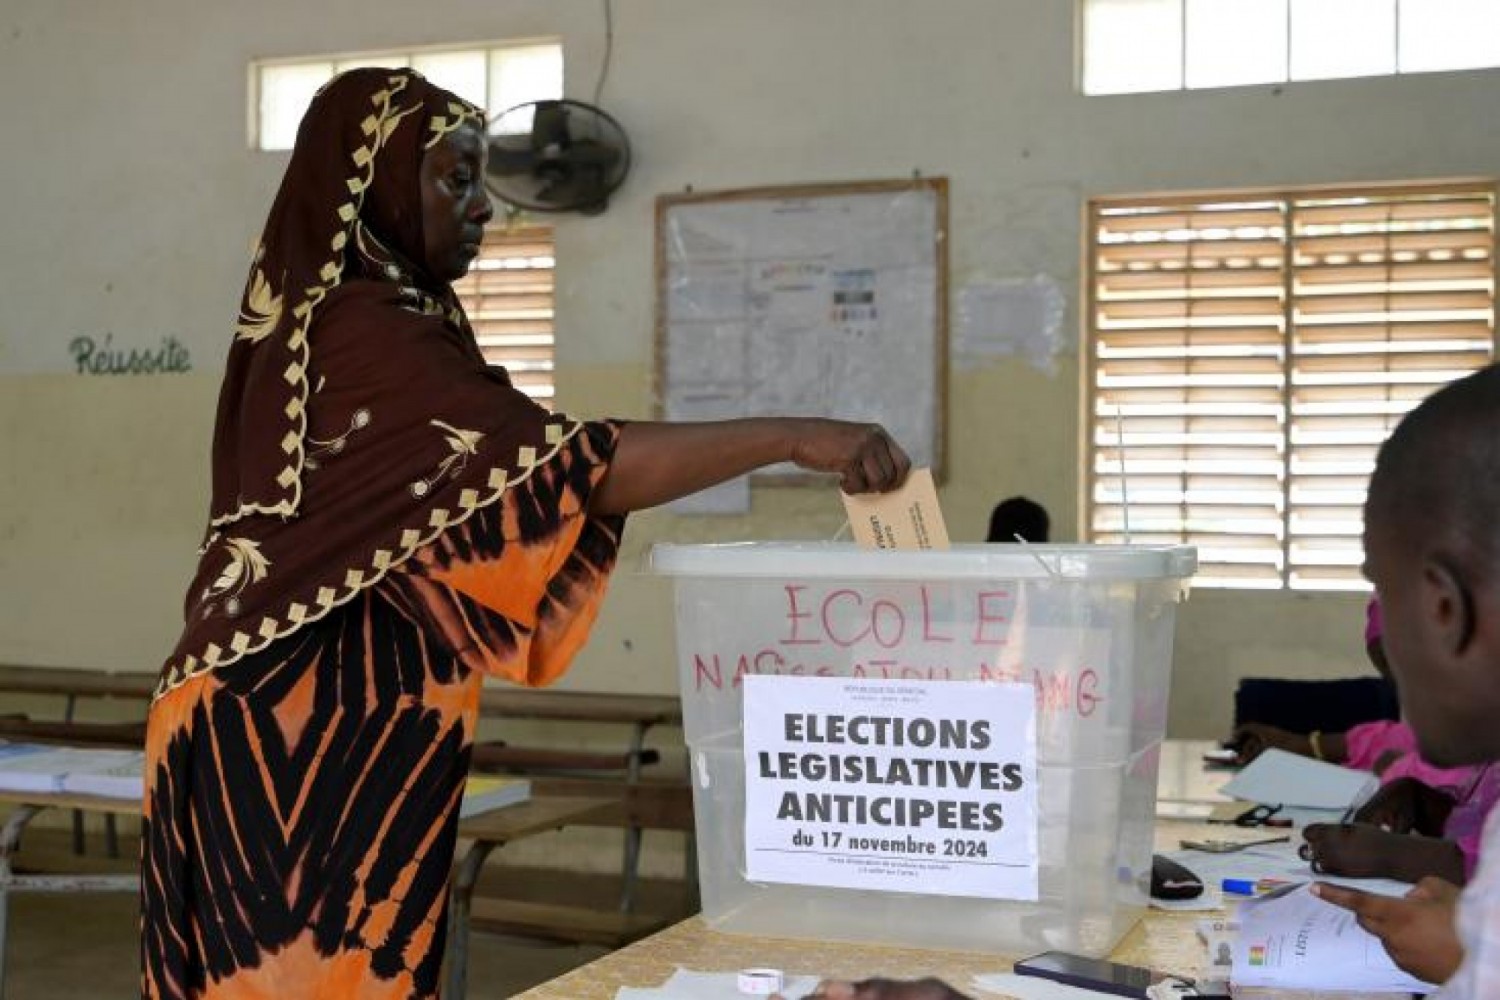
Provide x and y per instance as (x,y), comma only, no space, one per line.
(1250,886)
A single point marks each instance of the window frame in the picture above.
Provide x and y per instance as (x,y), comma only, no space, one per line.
(256,67)
(1287,196)
(1184,56)
(519,227)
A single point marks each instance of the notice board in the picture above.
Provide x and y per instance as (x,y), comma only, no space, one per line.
(823,300)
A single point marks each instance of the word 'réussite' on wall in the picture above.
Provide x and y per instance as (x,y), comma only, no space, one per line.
(102,357)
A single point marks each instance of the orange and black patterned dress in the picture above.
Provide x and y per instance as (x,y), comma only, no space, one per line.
(304,800)
(391,522)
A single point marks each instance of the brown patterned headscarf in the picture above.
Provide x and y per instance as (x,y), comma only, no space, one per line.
(357,418)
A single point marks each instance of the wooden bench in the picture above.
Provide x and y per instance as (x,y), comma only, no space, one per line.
(649,805)
(132,685)
(487,830)
(72,685)
(613,774)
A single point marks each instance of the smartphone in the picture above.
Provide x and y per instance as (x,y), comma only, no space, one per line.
(1090,973)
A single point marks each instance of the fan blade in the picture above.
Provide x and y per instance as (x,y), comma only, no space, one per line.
(580,188)
(549,125)
(592,153)
(509,159)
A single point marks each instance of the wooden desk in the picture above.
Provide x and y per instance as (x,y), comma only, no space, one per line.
(489,831)
(639,711)
(72,685)
(1160,940)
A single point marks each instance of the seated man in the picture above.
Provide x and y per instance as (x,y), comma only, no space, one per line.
(1432,549)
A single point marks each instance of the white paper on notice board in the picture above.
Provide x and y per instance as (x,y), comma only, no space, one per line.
(809,301)
(901,786)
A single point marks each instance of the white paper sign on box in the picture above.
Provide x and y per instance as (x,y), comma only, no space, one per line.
(898,786)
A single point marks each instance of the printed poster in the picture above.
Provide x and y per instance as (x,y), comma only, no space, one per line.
(898,786)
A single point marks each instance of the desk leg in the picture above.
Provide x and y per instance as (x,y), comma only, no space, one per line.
(10,842)
(78,841)
(461,902)
(632,861)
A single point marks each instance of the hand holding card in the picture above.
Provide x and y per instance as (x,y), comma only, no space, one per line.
(906,518)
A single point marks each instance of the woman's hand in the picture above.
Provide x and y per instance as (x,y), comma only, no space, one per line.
(1419,932)
(1253,739)
(1407,805)
(657,462)
(884,989)
(864,457)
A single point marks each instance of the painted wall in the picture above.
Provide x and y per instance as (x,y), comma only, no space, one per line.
(131,200)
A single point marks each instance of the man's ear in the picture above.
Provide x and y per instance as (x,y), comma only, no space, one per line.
(1448,605)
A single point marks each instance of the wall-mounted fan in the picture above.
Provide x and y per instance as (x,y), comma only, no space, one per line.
(557,156)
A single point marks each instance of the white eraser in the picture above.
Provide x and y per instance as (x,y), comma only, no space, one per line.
(760,982)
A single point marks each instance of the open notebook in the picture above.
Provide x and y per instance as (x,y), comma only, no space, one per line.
(32,767)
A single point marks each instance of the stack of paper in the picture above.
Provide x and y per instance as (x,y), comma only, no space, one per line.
(1296,941)
(31,767)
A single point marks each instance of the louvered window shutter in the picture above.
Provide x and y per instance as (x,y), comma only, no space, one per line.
(1249,354)
(508,295)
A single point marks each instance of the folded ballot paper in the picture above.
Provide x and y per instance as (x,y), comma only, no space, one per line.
(908,518)
(1296,941)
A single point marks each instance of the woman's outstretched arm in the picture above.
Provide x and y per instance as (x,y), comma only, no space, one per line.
(655,463)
